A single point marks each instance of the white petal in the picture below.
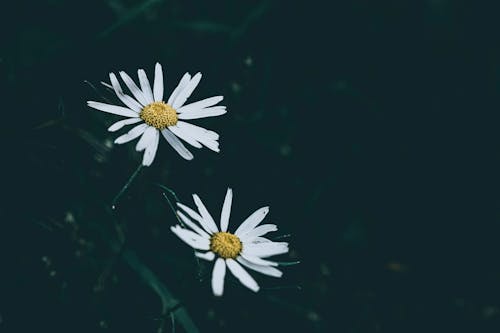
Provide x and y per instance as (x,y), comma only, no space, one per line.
(194,215)
(107,85)
(257,260)
(134,89)
(265,249)
(132,134)
(257,240)
(187,91)
(218,277)
(207,255)
(226,210)
(210,144)
(252,221)
(184,135)
(158,83)
(203,113)
(259,231)
(207,218)
(192,225)
(114,109)
(146,138)
(182,84)
(241,274)
(200,131)
(126,99)
(204,103)
(151,149)
(176,144)
(192,239)
(145,87)
(267,270)
(200,134)
(119,124)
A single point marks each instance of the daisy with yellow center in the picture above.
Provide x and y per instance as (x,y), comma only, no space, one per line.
(245,247)
(156,116)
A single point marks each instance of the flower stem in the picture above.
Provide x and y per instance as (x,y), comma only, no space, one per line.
(125,187)
(169,202)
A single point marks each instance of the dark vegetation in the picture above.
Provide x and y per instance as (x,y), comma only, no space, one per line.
(369,127)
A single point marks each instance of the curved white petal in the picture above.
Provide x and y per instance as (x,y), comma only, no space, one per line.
(184,135)
(134,89)
(194,215)
(158,83)
(182,84)
(257,260)
(190,238)
(114,109)
(187,91)
(126,99)
(207,218)
(200,134)
(210,144)
(203,113)
(204,103)
(226,210)
(259,231)
(267,270)
(146,138)
(265,249)
(151,149)
(252,221)
(257,240)
(198,131)
(107,85)
(206,256)
(192,225)
(218,277)
(119,124)
(176,144)
(132,134)
(242,275)
(145,87)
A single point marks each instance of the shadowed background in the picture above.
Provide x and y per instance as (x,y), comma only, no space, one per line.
(370,128)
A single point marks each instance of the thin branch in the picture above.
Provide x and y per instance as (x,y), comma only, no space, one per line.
(172,207)
(96,91)
(172,318)
(200,274)
(125,187)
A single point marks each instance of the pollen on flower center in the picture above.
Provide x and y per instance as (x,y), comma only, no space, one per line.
(225,245)
(159,115)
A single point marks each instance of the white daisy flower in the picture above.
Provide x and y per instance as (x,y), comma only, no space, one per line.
(245,246)
(156,116)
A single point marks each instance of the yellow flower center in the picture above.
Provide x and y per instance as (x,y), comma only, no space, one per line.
(226,245)
(159,115)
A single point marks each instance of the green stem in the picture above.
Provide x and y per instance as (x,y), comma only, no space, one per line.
(126,186)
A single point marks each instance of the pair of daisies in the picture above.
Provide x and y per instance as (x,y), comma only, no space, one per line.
(246,247)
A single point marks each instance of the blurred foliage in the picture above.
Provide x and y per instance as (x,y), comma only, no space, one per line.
(370,128)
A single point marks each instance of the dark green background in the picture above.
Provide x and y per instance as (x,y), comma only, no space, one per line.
(369,127)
